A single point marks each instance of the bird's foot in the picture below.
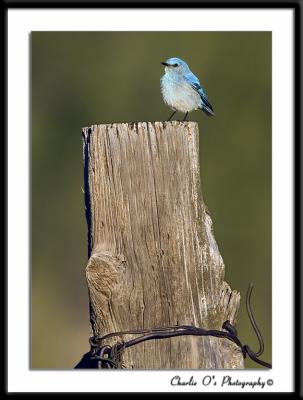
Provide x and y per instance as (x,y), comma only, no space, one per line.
(184,119)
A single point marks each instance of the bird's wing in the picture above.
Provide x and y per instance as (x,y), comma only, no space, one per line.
(195,84)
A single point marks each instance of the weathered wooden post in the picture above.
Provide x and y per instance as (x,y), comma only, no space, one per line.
(153,260)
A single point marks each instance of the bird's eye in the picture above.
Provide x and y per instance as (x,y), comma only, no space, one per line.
(175,65)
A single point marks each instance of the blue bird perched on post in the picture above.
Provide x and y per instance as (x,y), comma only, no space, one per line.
(181,89)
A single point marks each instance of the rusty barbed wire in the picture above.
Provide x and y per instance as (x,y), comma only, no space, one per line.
(104,356)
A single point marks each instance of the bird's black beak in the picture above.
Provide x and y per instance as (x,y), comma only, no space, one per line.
(164,63)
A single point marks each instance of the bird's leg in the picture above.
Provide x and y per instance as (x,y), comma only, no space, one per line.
(184,119)
(171,115)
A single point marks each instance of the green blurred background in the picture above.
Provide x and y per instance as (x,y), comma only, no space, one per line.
(84,78)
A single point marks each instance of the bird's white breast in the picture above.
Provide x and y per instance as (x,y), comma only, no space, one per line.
(180,96)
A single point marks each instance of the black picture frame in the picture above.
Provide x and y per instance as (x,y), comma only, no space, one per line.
(296,5)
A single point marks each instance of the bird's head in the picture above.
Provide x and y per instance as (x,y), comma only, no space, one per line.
(175,66)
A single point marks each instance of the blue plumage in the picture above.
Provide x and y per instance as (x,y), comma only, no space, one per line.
(181,89)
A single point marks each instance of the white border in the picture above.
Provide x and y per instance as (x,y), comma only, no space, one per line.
(20,23)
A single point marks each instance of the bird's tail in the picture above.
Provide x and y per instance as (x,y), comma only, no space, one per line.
(208,111)
(206,106)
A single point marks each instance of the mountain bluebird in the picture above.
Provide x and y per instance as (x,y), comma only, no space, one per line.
(181,89)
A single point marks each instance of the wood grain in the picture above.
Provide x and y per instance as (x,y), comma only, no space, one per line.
(153,258)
